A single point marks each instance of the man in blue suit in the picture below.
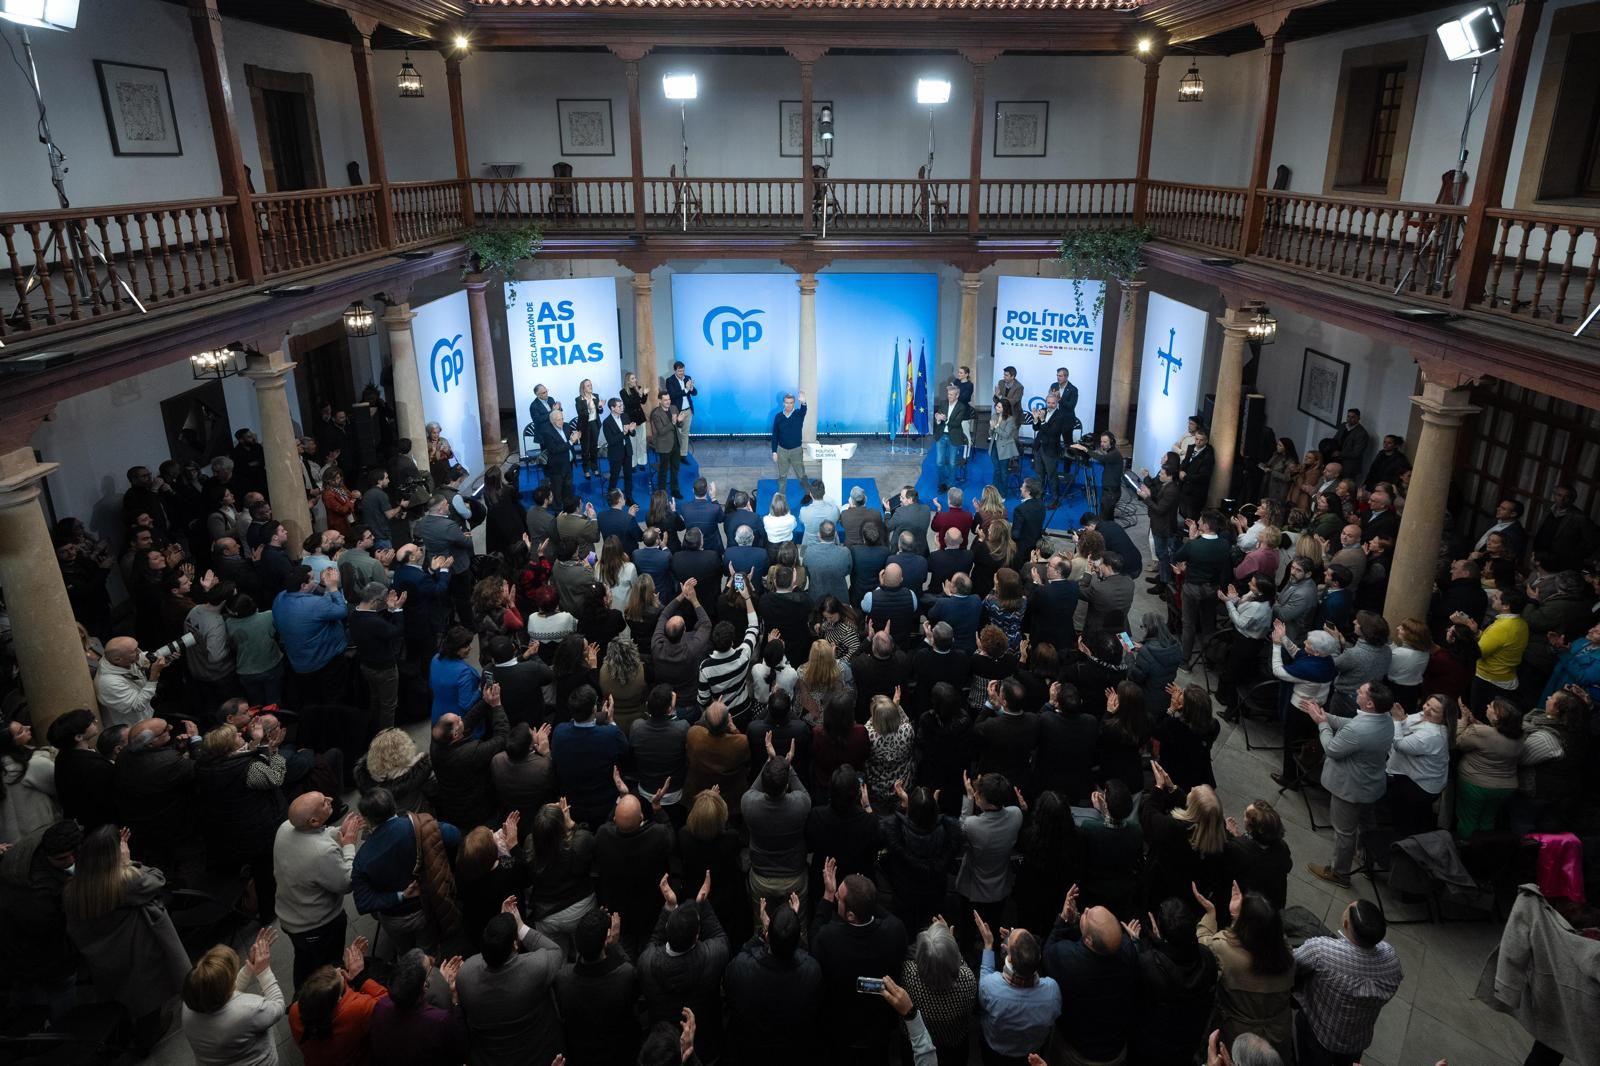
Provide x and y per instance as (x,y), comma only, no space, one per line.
(1117,540)
(704,513)
(620,521)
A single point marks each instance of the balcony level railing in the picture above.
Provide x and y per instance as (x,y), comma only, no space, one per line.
(64,268)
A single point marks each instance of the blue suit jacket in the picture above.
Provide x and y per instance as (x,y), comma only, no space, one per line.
(619,524)
(706,516)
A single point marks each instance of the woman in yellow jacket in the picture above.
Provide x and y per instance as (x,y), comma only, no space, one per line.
(1500,646)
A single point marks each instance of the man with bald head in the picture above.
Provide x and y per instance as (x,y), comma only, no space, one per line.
(461,759)
(892,606)
(1098,971)
(311,860)
(152,785)
(675,649)
(1350,553)
(123,685)
(879,669)
(631,854)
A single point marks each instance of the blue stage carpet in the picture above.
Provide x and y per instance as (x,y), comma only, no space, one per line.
(768,486)
(594,490)
(979,473)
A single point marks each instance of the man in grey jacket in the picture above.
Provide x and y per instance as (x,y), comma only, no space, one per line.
(775,813)
(909,514)
(827,564)
(1355,752)
(506,996)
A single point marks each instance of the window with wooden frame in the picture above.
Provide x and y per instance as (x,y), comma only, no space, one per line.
(1372,119)
(1561,165)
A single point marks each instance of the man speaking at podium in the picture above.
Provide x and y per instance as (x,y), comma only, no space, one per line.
(788,428)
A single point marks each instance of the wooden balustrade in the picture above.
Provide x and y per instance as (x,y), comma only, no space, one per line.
(70,266)
(558,203)
(1543,268)
(866,206)
(743,204)
(1207,215)
(1400,247)
(425,210)
(1053,206)
(315,227)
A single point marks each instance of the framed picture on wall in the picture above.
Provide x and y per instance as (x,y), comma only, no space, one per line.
(1021,127)
(1323,380)
(138,103)
(791,120)
(586,127)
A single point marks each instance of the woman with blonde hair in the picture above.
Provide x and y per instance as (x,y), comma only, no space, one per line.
(224,1024)
(622,680)
(778,522)
(393,762)
(116,919)
(992,551)
(1409,654)
(991,505)
(892,739)
(823,675)
(1186,845)
(708,846)
(1307,546)
(642,610)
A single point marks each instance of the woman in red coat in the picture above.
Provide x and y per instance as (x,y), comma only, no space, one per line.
(333,1014)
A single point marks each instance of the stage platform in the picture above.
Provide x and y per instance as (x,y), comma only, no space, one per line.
(593,490)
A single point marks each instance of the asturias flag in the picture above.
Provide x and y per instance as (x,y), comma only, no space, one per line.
(922,389)
(908,420)
(896,402)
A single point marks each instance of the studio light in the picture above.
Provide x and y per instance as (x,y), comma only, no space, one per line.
(41,14)
(1143,46)
(680,86)
(462,42)
(1263,328)
(219,363)
(1477,33)
(825,122)
(933,91)
(1192,89)
(409,82)
(359,321)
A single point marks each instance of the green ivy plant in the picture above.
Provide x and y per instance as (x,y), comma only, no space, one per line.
(1104,253)
(499,248)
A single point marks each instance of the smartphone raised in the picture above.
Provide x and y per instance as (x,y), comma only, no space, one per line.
(1127,641)
(738,582)
(870,986)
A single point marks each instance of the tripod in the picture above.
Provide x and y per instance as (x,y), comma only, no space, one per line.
(82,247)
(686,191)
(1458,186)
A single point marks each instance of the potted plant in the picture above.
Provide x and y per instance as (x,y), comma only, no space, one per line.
(499,248)
(1105,253)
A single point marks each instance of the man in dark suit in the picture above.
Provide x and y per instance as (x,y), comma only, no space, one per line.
(521,679)
(699,562)
(1050,434)
(1053,603)
(619,449)
(556,443)
(1381,521)
(704,513)
(867,560)
(620,522)
(949,434)
(908,513)
(1027,521)
(1194,474)
(948,561)
(747,557)
(1117,540)
(681,390)
(858,515)
(541,523)
(913,567)
(787,611)
(541,406)
(743,516)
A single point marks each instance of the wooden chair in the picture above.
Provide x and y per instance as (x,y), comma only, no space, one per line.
(928,201)
(561,201)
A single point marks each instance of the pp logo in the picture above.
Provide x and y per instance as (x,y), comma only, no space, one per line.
(446,364)
(735,327)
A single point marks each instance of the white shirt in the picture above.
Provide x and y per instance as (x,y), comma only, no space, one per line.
(1483,541)
(124,693)
(779,528)
(1421,752)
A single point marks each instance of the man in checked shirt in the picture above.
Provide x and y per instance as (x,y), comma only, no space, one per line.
(1341,983)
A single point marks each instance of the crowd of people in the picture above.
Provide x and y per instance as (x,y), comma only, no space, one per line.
(712,781)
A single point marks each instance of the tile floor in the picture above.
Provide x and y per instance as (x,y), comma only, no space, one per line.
(1433,1017)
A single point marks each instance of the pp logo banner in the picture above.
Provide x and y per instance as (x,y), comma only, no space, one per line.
(735,327)
(446,364)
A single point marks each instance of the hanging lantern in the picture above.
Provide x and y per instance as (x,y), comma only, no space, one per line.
(359,321)
(218,363)
(1263,327)
(409,81)
(1192,89)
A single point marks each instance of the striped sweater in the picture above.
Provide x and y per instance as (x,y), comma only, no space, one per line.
(725,675)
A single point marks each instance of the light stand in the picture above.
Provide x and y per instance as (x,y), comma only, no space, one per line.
(1458,186)
(83,245)
(930,91)
(683,88)
(928,188)
(683,186)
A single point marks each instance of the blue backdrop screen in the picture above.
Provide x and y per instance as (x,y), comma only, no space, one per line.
(738,336)
(865,323)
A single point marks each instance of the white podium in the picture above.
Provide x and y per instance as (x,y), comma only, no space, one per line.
(832,457)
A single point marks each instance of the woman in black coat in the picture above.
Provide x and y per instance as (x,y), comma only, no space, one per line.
(1177,983)
(1183,737)
(507,522)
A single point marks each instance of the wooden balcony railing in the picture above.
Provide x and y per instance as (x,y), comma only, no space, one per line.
(67,267)
(1053,206)
(562,204)
(425,210)
(1401,247)
(1542,269)
(1209,215)
(316,227)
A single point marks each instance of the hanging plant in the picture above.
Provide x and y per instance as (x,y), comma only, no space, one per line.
(1104,253)
(500,248)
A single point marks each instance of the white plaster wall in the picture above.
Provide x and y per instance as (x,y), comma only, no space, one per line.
(417,143)
(1210,142)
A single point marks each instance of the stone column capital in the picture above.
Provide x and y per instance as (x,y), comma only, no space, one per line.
(267,368)
(1132,285)
(20,477)
(398,316)
(807,284)
(475,283)
(971,283)
(642,283)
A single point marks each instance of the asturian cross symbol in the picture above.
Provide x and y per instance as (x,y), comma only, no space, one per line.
(1167,358)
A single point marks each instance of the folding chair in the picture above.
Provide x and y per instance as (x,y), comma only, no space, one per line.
(1260,698)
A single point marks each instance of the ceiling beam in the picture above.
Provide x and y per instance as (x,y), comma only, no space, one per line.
(1195,20)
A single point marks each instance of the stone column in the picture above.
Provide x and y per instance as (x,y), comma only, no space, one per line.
(494,448)
(43,630)
(407,384)
(808,354)
(1225,417)
(1443,405)
(967,329)
(285,477)
(1122,360)
(644,335)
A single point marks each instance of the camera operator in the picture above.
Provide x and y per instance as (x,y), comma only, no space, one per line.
(125,684)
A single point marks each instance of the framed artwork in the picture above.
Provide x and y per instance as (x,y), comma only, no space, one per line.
(586,127)
(790,121)
(1021,127)
(138,103)
(1323,380)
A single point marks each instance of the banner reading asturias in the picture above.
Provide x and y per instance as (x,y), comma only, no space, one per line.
(1041,324)
(559,333)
